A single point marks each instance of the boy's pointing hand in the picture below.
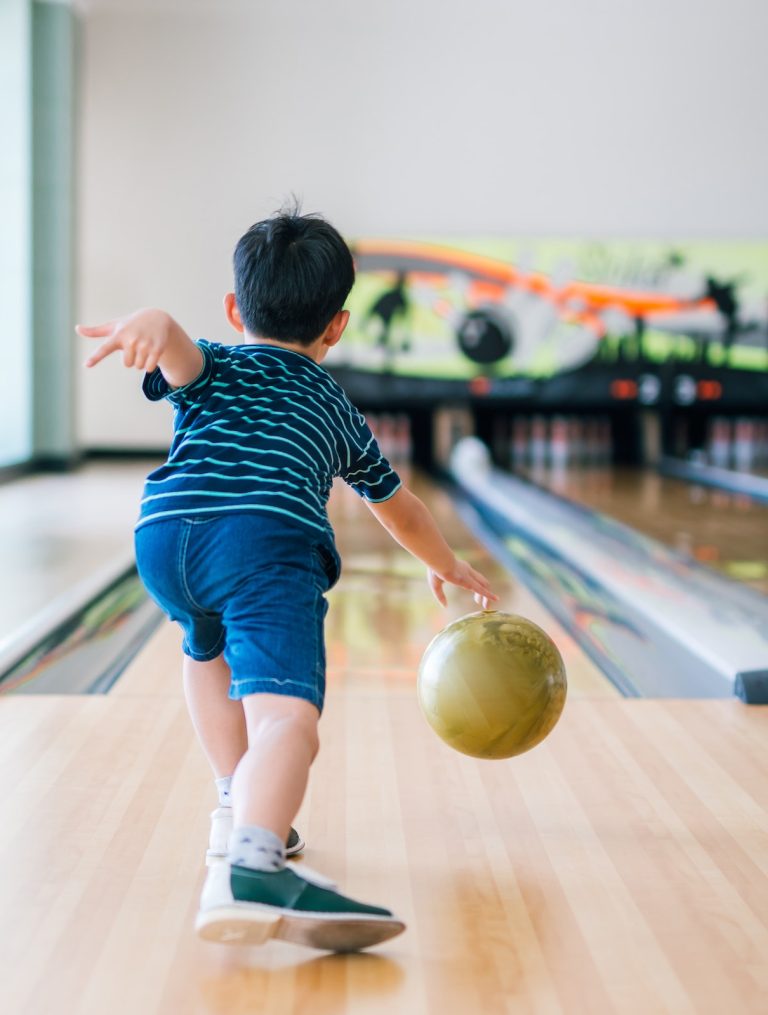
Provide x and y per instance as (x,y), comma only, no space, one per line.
(143,337)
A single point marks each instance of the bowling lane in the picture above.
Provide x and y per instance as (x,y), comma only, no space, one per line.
(723,530)
(382,614)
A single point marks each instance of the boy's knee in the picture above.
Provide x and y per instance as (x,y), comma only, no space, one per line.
(304,727)
(267,715)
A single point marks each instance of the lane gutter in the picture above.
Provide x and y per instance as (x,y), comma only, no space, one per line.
(656,623)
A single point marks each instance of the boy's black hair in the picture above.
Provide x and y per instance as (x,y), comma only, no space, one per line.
(293,272)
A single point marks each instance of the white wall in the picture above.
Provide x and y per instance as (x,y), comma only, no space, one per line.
(550,117)
(15,241)
(54,49)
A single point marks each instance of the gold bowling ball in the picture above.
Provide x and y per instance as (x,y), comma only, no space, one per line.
(492,684)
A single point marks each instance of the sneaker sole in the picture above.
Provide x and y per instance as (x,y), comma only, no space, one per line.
(254,924)
(212,856)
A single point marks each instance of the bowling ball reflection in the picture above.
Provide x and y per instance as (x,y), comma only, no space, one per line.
(492,684)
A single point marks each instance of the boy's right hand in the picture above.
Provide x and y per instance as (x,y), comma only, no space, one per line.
(143,336)
(466,577)
(149,339)
(406,518)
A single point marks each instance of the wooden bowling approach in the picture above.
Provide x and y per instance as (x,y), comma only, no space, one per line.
(618,866)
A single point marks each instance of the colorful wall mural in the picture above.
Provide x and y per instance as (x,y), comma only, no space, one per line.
(454,309)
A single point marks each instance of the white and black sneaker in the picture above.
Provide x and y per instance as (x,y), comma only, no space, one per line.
(249,907)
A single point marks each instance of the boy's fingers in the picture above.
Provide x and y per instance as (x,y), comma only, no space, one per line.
(484,586)
(481,589)
(438,592)
(480,577)
(102,352)
(95,330)
(471,582)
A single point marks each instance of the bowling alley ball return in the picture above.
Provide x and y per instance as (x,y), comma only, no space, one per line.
(492,684)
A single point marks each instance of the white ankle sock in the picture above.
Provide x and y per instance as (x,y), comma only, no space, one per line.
(223,787)
(257,848)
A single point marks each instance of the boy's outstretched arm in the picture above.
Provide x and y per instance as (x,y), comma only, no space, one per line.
(149,339)
(407,519)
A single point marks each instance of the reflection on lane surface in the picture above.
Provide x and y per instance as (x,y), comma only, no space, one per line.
(723,530)
(383,615)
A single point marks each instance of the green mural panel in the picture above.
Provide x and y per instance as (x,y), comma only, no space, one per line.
(448,308)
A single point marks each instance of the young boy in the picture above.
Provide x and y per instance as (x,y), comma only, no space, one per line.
(233,542)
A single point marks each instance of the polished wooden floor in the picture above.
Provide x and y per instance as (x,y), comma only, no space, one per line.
(622,866)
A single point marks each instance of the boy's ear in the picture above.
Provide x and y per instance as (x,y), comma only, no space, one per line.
(335,328)
(233,314)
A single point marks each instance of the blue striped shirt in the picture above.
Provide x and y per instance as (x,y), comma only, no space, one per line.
(262,428)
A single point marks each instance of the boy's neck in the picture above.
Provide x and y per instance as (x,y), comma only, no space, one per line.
(312,352)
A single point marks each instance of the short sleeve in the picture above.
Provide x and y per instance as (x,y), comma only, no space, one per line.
(369,473)
(156,387)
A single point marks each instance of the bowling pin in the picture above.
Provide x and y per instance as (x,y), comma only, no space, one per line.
(591,442)
(386,435)
(451,424)
(463,424)
(519,442)
(604,450)
(501,439)
(441,438)
(719,448)
(744,445)
(761,454)
(538,442)
(402,438)
(575,441)
(558,444)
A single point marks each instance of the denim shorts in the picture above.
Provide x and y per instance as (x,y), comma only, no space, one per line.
(250,586)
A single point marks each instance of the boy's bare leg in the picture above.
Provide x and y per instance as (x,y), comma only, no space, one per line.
(219,722)
(255,896)
(270,781)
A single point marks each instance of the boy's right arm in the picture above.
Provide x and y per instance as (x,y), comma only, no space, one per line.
(409,521)
(149,339)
